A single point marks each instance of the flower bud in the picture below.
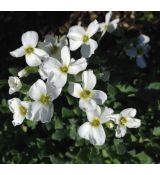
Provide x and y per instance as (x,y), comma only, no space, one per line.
(110,124)
(14,84)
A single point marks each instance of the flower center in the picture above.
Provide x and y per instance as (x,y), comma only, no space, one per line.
(123,121)
(45,99)
(54,49)
(23,110)
(29,50)
(85,94)
(140,51)
(85,38)
(96,122)
(64,69)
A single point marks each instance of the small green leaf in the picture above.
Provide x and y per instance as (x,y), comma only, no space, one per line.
(156,131)
(144,158)
(59,135)
(13,71)
(67,113)
(154,86)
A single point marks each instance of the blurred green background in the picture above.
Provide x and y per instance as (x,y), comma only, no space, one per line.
(127,86)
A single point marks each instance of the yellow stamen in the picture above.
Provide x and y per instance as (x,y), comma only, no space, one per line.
(85,94)
(64,69)
(85,38)
(44,99)
(23,110)
(96,122)
(29,50)
(123,121)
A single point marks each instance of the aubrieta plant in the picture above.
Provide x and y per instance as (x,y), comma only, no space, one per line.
(52,60)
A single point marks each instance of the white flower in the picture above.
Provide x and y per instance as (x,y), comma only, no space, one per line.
(19,109)
(22,73)
(79,37)
(53,45)
(32,54)
(108,26)
(43,95)
(93,129)
(14,84)
(89,98)
(57,71)
(125,120)
(140,51)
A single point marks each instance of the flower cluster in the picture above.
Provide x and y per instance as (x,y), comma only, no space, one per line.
(52,60)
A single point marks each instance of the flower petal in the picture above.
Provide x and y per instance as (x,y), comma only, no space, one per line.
(17,119)
(86,51)
(74,89)
(129,112)
(40,53)
(99,96)
(143,39)
(65,55)
(132,52)
(93,46)
(87,105)
(89,80)
(33,60)
(74,45)
(97,135)
(14,104)
(20,52)
(121,131)
(106,114)
(108,17)
(133,123)
(141,62)
(93,113)
(84,131)
(57,79)
(112,26)
(77,66)
(76,33)
(37,89)
(30,38)
(92,28)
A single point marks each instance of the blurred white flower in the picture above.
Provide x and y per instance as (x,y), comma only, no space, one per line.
(19,109)
(43,94)
(32,54)
(140,51)
(22,73)
(125,120)
(53,45)
(108,26)
(14,84)
(79,37)
(93,129)
(57,71)
(89,98)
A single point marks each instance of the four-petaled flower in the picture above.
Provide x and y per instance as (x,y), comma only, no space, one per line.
(140,51)
(32,54)
(79,37)
(57,71)
(125,120)
(43,94)
(89,98)
(93,129)
(19,109)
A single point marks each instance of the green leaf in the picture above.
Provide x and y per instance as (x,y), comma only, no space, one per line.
(144,158)
(67,113)
(156,131)
(13,71)
(58,124)
(112,91)
(154,86)
(59,135)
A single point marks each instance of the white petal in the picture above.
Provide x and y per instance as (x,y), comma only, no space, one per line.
(92,28)
(120,131)
(50,39)
(51,65)
(76,33)
(33,60)
(89,80)
(108,17)
(99,96)
(133,123)
(85,130)
(65,55)
(86,51)
(30,38)
(42,73)
(37,90)
(112,26)
(115,118)
(40,52)
(57,79)
(97,136)
(93,113)
(17,119)
(106,114)
(77,66)
(143,39)
(132,52)
(53,92)
(74,45)
(129,112)
(74,89)
(93,45)
(141,62)
(18,52)
(14,104)
(87,105)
